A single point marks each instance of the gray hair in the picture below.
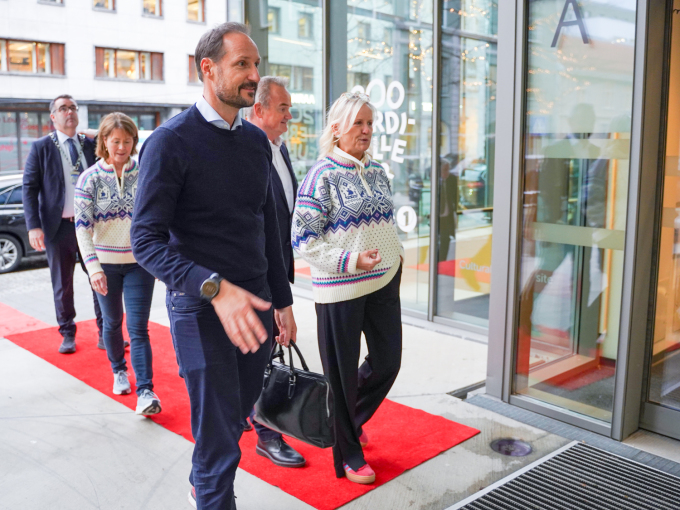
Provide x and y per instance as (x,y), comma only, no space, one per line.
(63,96)
(211,44)
(264,92)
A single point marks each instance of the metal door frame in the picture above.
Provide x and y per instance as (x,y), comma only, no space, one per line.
(653,416)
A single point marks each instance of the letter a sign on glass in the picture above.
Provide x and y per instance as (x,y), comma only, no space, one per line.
(578,21)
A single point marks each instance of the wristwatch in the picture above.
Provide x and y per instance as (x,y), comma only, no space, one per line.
(211,286)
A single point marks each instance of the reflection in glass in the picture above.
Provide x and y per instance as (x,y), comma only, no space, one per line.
(664,383)
(295,52)
(9,151)
(20,55)
(389,56)
(466,167)
(29,130)
(575,184)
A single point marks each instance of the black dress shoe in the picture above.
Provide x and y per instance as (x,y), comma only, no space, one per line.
(247,427)
(279,453)
(68,346)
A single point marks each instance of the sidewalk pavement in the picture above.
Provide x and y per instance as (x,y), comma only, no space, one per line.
(64,445)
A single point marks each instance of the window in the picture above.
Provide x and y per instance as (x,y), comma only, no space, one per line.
(107,5)
(361,79)
(4,196)
(31,57)
(18,131)
(152,8)
(273,20)
(402,137)
(301,79)
(147,121)
(364,33)
(305,24)
(128,64)
(193,74)
(15,196)
(196,10)
(387,37)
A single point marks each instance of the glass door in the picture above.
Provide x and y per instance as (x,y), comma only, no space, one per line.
(661,411)
(579,89)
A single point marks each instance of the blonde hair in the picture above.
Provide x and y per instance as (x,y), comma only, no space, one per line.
(342,114)
(115,120)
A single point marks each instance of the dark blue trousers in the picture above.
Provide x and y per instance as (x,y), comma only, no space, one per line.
(62,252)
(223,385)
(134,284)
(265,433)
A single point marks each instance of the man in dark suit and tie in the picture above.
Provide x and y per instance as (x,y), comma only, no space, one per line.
(50,176)
(271,113)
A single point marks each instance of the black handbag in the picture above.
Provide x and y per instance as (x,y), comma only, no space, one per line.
(295,402)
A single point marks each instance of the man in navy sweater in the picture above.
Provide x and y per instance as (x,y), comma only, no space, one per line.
(205,224)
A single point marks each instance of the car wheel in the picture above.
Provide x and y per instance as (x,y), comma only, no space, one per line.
(10,253)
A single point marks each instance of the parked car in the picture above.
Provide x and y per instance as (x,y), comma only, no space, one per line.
(14,245)
(472,186)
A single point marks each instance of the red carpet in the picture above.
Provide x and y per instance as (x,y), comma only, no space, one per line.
(400,437)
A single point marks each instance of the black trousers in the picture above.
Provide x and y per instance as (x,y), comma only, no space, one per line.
(359,392)
(62,251)
(265,433)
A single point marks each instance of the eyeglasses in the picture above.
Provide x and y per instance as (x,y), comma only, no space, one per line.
(356,95)
(66,109)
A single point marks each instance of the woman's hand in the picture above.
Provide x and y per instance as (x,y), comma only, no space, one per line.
(98,282)
(368,259)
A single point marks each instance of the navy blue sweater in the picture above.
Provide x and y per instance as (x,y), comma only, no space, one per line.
(205,205)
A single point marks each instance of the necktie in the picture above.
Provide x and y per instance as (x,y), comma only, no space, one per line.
(72,150)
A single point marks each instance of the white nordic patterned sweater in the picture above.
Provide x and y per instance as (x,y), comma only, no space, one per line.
(104,214)
(344,207)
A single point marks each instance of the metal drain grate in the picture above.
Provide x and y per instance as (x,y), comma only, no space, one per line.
(582,477)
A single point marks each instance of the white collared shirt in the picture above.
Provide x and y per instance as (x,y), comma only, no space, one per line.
(66,165)
(211,115)
(284,174)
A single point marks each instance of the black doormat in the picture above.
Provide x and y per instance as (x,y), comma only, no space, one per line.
(581,477)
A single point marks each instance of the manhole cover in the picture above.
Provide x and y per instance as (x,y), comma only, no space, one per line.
(511,447)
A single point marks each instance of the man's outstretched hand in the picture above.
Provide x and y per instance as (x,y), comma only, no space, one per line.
(235,308)
(287,327)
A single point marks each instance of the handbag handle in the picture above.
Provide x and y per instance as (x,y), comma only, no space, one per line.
(277,352)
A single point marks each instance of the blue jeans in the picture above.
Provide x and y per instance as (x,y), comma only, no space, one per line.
(135,285)
(223,385)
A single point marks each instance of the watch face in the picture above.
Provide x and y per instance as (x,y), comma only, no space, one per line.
(209,289)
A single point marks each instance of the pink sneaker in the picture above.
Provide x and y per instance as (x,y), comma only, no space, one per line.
(363,439)
(364,475)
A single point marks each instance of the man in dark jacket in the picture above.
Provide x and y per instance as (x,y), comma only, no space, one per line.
(271,113)
(50,176)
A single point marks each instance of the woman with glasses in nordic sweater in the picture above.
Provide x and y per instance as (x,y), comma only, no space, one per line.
(104,199)
(343,226)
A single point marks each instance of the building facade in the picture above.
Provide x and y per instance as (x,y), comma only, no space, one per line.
(532,148)
(133,56)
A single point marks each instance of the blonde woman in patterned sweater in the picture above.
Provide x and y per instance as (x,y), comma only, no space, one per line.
(343,226)
(104,199)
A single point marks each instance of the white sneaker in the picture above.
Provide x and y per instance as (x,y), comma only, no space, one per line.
(148,403)
(121,384)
